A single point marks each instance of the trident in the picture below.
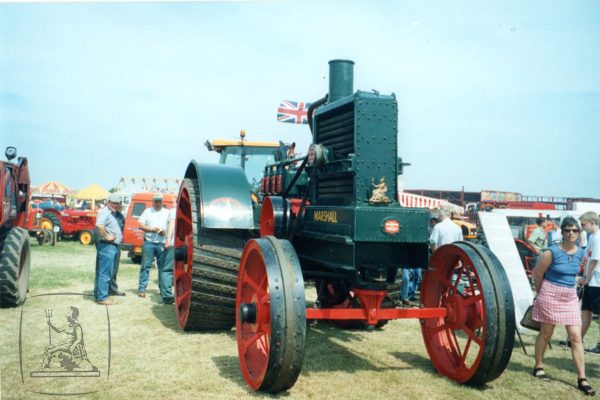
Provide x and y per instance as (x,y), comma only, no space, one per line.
(49,315)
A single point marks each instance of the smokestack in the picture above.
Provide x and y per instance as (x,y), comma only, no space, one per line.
(341,77)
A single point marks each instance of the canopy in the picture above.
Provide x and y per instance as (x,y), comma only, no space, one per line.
(414,200)
(92,192)
(52,188)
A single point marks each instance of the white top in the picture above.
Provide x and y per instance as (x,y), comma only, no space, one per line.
(445,232)
(592,252)
(153,218)
(583,239)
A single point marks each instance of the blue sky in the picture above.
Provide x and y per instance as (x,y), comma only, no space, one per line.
(502,96)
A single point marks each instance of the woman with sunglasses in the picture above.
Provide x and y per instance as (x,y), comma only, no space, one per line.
(557,303)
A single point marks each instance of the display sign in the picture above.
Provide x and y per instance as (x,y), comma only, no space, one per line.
(492,195)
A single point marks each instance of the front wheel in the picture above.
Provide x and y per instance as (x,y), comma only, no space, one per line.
(270,315)
(474,342)
(86,237)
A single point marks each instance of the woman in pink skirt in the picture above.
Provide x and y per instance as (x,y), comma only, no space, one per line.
(557,303)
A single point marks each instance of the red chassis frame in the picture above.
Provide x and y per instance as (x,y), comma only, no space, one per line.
(371,310)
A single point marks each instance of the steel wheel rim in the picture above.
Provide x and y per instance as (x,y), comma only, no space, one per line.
(253,339)
(455,356)
(182,270)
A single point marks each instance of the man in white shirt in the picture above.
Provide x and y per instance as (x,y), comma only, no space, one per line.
(590,302)
(445,231)
(153,222)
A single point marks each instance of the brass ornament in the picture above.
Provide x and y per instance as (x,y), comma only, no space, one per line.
(379,195)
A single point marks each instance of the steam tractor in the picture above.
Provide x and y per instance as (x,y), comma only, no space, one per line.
(14,237)
(331,217)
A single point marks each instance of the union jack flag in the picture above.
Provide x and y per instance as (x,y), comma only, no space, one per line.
(293,112)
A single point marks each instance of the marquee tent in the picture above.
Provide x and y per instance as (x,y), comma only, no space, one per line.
(92,192)
(415,200)
(52,188)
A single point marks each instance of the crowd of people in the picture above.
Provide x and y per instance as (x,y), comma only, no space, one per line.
(556,279)
(158,225)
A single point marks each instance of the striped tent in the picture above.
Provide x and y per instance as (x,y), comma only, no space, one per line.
(415,200)
(52,188)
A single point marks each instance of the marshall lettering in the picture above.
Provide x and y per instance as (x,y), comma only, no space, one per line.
(325,216)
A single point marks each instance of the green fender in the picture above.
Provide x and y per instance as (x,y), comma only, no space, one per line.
(225,200)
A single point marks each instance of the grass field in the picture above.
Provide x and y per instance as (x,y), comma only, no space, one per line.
(152,359)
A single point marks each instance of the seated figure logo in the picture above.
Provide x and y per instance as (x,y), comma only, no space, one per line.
(67,356)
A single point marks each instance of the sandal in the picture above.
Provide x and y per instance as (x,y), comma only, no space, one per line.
(585,388)
(540,374)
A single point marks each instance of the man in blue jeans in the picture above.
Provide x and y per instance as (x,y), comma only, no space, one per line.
(153,222)
(168,259)
(411,280)
(107,247)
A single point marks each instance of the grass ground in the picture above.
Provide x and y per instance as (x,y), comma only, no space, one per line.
(151,358)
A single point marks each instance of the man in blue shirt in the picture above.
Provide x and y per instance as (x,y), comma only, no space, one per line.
(110,238)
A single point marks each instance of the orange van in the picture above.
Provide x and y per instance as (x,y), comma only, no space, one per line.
(133,237)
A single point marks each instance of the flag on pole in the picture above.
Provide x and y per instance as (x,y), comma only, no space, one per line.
(293,112)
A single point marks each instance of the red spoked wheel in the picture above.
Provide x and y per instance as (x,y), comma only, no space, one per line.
(206,266)
(527,257)
(274,217)
(474,342)
(271,315)
(184,245)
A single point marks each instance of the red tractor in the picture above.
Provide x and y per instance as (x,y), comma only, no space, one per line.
(14,238)
(39,227)
(73,223)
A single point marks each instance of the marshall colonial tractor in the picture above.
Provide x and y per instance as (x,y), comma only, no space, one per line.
(14,237)
(244,251)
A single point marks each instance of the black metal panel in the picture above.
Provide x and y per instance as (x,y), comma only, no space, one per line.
(335,131)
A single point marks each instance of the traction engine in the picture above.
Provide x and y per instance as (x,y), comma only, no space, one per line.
(331,217)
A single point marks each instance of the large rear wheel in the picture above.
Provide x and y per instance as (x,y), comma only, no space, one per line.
(474,342)
(271,315)
(14,267)
(206,267)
